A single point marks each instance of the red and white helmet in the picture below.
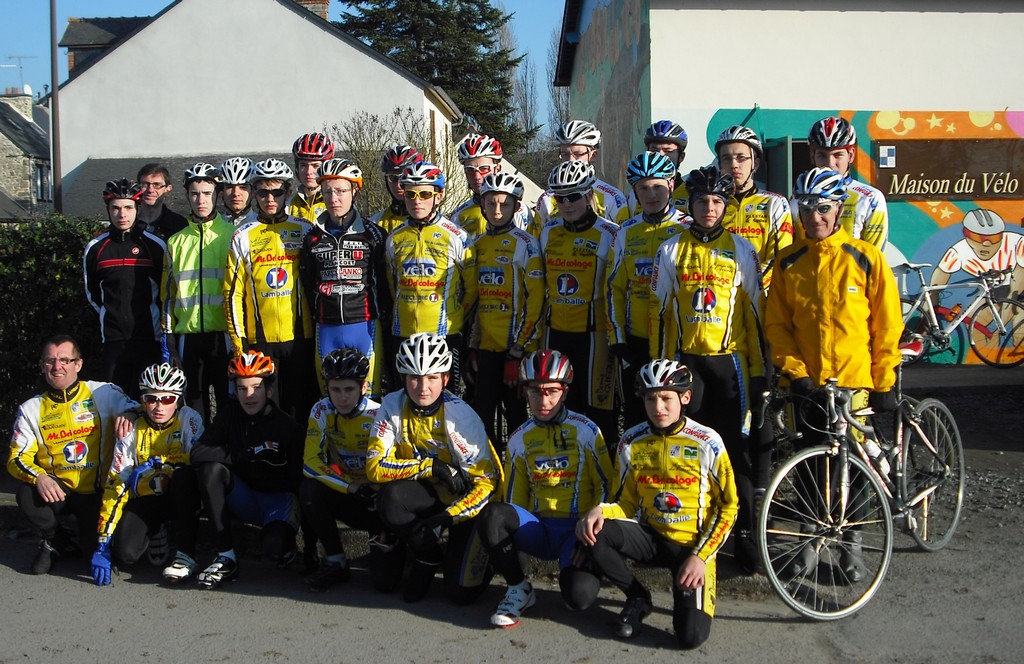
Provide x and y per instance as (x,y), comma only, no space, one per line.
(832,132)
(313,147)
(478,145)
(396,159)
(546,366)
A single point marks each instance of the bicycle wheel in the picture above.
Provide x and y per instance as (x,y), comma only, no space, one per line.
(916,326)
(933,473)
(804,520)
(1002,348)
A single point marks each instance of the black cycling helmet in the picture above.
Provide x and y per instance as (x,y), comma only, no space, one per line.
(345,363)
(709,180)
(123,188)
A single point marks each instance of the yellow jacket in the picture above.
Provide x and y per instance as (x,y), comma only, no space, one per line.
(834,312)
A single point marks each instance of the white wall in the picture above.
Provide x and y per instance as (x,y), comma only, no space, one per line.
(796,56)
(185,85)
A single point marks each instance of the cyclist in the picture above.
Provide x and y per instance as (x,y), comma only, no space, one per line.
(577,247)
(504,277)
(150,481)
(579,140)
(153,214)
(61,448)
(833,144)
(651,176)
(834,312)
(426,256)
(249,464)
(667,138)
(264,301)
(480,156)
(430,452)
(676,477)
(122,283)
(335,484)
(986,245)
(707,289)
(235,190)
(343,271)
(310,152)
(395,160)
(192,292)
(557,468)
(761,217)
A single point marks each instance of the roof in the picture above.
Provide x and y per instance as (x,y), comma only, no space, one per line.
(9,208)
(25,134)
(97,32)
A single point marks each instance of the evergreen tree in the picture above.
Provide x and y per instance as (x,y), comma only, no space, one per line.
(452,44)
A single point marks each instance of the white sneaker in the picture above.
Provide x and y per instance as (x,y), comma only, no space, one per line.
(181,569)
(517,599)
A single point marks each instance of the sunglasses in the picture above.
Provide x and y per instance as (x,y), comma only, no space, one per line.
(996,238)
(815,206)
(419,195)
(569,198)
(267,193)
(482,170)
(165,399)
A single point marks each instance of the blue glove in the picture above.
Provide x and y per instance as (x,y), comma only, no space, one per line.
(139,471)
(101,564)
(165,352)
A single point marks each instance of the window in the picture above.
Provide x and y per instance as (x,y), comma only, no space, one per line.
(41,185)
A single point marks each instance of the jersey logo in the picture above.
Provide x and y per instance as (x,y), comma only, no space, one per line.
(419,268)
(75,452)
(643,268)
(492,276)
(667,503)
(159,483)
(567,284)
(277,277)
(704,300)
(551,463)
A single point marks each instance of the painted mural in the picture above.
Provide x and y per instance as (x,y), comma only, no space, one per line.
(962,222)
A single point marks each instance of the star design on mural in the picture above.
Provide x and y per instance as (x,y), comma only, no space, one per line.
(945,213)
(934,122)
(951,128)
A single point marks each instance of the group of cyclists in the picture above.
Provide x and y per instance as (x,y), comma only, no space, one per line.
(455,386)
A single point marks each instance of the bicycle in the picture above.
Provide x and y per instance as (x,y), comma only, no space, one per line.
(828,504)
(993,326)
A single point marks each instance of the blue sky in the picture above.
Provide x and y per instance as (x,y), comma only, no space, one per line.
(25,31)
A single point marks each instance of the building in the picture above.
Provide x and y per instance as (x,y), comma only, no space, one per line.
(25,179)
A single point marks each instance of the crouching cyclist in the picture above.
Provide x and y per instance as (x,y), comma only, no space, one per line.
(557,469)
(249,464)
(150,481)
(430,452)
(676,476)
(335,486)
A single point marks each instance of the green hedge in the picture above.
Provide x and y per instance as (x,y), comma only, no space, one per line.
(42,295)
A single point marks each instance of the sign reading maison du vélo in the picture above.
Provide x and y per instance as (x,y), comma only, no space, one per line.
(918,170)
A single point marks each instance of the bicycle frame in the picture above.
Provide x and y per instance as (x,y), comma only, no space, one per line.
(939,330)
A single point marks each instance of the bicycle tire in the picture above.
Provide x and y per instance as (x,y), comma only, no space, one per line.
(789,521)
(994,348)
(917,326)
(938,464)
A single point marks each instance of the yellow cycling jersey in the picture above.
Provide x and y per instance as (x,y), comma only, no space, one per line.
(470,218)
(608,201)
(389,219)
(425,276)
(403,445)
(308,208)
(67,434)
(559,469)
(169,445)
(764,219)
(262,293)
(865,214)
(629,283)
(575,272)
(679,483)
(834,312)
(680,201)
(504,278)
(705,299)
(335,451)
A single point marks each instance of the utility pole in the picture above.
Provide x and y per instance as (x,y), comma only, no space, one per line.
(58,204)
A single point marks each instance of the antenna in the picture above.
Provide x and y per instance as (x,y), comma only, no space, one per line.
(21,65)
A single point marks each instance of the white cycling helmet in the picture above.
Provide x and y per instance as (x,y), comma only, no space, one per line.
(578,132)
(984,222)
(422,173)
(422,354)
(820,183)
(663,375)
(571,177)
(162,378)
(340,169)
(201,172)
(832,132)
(271,169)
(236,170)
(740,134)
(502,183)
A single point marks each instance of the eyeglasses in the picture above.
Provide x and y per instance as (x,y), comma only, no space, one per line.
(539,392)
(335,192)
(569,198)
(267,193)
(419,195)
(152,185)
(165,399)
(817,206)
(994,239)
(573,154)
(482,170)
(62,361)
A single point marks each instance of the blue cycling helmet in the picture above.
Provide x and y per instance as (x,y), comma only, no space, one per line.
(820,183)
(665,131)
(420,173)
(650,165)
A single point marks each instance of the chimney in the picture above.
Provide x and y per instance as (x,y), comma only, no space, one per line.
(19,101)
(318,7)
